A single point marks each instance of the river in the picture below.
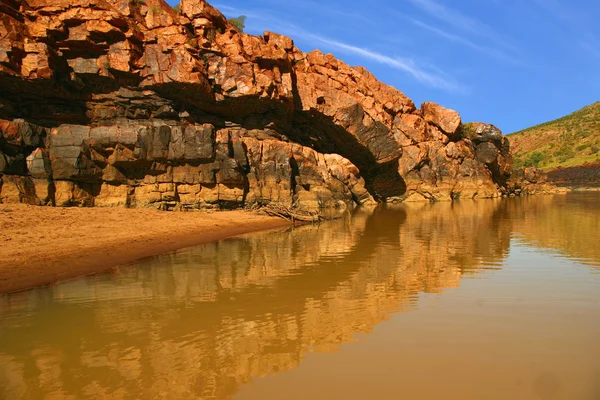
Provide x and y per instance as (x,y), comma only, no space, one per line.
(492,299)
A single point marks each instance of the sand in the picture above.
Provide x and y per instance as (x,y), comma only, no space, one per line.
(44,245)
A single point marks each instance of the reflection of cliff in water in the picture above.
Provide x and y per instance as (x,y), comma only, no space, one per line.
(203,321)
(567,224)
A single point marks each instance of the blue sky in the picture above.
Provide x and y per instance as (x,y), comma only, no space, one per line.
(512,63)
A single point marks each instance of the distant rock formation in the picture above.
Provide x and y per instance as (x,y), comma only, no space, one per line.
(128,103)
(530,180)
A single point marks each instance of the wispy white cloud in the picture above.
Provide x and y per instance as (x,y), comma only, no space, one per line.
(325,8)
(448,15)
(575,23)
(491,51)
(460,20)
(317,8)
(592,48)
(224,8)
(560,12)
(434,78)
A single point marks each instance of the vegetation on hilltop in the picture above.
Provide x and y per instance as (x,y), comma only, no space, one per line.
(239,22)
(566,142)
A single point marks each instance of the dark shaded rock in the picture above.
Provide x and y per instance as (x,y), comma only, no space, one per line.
(479,132)
(192,143)
(487,153)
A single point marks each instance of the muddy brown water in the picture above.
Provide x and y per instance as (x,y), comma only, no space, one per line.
(495,299)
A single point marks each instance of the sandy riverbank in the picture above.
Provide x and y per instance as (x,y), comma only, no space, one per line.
(44,245)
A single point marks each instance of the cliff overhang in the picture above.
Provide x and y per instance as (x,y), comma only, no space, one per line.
(116,102)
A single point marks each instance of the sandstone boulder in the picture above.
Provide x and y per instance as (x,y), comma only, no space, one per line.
(445,119)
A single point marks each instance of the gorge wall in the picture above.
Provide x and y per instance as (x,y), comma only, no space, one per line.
(128,103)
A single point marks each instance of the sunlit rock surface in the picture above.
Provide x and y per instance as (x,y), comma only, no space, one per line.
(129,103)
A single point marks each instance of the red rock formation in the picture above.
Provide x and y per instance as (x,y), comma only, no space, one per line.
(116,102)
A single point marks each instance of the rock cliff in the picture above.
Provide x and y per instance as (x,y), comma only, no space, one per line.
(116,102)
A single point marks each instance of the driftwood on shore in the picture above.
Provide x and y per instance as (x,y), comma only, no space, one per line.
(290,213)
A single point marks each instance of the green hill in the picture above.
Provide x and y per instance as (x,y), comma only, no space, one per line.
(566,142)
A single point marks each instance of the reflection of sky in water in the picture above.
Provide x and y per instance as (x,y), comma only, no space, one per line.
(498,291)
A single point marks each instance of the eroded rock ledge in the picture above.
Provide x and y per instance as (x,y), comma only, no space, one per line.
(128,103)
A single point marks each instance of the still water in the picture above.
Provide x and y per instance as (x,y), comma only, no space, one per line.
(477,300)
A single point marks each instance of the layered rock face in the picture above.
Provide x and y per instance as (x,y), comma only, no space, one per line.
(115,102)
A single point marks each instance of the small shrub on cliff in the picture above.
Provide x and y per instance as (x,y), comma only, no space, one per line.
(467,130)
(177,8)
(239,22)
(534,159)
(564,153)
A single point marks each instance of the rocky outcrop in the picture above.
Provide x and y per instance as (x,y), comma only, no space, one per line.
(475,166)
(530,180)
(112,102)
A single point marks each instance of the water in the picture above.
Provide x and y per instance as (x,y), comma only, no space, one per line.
(471,300)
